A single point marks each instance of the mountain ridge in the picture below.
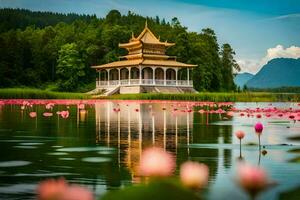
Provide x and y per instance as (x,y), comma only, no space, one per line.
(278,72)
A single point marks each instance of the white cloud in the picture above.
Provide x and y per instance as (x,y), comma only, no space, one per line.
(253,66)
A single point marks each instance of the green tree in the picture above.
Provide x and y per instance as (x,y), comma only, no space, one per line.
(113,17)
(70,67)
(228,65)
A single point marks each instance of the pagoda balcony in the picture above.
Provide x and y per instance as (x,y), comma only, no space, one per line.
(144,82)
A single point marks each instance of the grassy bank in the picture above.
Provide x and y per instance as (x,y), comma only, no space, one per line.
(27,93)
(214,96)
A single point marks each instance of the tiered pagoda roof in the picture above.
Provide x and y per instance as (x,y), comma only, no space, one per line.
(146,49)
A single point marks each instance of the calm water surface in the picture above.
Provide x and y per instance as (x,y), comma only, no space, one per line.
(100,148)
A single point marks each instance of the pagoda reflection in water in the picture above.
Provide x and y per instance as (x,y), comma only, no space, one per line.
(132,127)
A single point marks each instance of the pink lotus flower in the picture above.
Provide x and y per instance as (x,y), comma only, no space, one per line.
(194,175)
(292,116)
(32,114)
(51,189)
(81,106)
(49,105)
(268,115)
(240,134)
(258,127)
(75,192)
(258,116)
(156,162)
(230,113)
(47,114)
(201,111)
(252,179)
(64,114)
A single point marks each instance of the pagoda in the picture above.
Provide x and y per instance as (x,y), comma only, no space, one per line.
(145,69)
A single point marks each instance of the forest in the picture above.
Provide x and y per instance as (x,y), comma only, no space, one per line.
(55,51)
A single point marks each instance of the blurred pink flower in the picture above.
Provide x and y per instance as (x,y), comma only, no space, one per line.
(51,189)
(47,114)
(49,105)
(252,179)
(240,134)
(258,127)
(156,162)
(81,106)
(32,114)
(258,116)
(194,175)
(75,192)
(230,113)
(64,114)
(201,111)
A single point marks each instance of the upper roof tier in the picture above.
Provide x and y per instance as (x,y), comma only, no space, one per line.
(146,37)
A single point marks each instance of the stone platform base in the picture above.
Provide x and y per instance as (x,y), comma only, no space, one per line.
(155,89)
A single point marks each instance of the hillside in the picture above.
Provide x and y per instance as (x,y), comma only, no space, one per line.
(241,79)
(279,72)
(21,18)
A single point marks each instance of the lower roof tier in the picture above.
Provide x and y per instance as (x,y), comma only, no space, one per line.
(136,62)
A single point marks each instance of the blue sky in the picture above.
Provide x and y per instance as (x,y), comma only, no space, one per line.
(258,30)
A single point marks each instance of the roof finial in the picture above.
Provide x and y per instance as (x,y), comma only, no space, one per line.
(146,23)
(132,35)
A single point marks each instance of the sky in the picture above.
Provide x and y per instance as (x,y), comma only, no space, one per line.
(258,30)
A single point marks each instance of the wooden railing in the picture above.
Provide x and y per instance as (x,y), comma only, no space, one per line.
(158,82)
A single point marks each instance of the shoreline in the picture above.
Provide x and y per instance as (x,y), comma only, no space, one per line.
(27,93)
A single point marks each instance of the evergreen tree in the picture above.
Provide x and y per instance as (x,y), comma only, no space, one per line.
(70,67)
(228,65)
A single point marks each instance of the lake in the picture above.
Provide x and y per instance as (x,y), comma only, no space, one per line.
(98,143)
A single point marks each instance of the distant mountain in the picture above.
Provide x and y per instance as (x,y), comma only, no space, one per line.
(279,72)
(241,79)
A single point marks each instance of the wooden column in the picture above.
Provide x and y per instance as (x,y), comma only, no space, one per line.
(129,75)
(140,75)
(99,78)
(108,76)
(119,76)
(165,76)
(176,74)
(188,76)
(153,75)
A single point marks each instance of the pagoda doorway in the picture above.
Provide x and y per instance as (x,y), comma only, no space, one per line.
(171,77)
(159,76)
(147,75)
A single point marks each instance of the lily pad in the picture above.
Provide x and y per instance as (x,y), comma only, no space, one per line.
(14,163)
(96,159)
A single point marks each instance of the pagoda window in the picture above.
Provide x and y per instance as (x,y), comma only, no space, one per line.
(114,74)
(135,73)
(171,74)
(103,75)
(124,73)
(147,73)
(159,74)
(182,74)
